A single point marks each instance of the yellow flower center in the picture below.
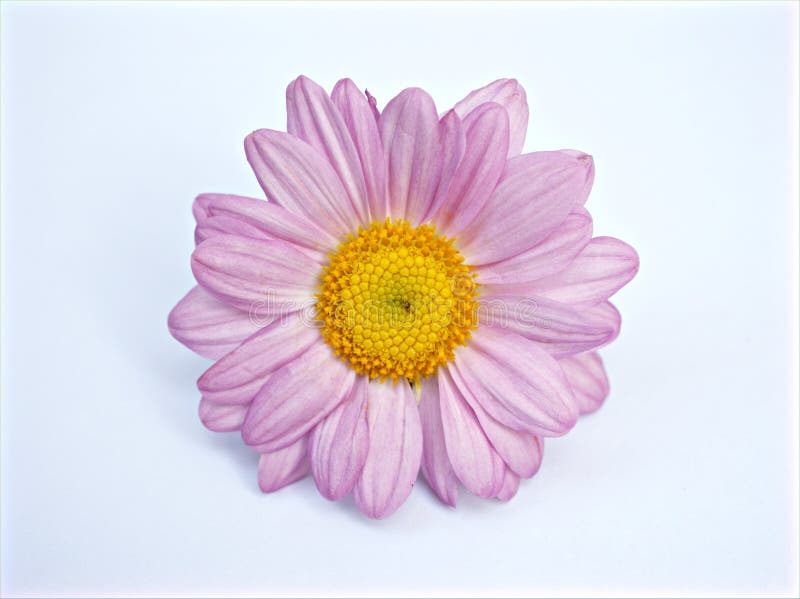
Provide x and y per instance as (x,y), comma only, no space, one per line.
(396,300)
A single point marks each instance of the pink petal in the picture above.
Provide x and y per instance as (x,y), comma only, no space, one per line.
(534,196)
(395,449)
(283,467)
(511,96)
(300,179)
(452,144)
(221,418)
(588,379)
(516,382)
(225,225)
(474,460)
(603,267)
(270,277)
(522,452)
(409,129)
(362,124)
(560,329)
(587,186)
(229,214)
(479,171)
(435,462)
(339,444)
(509,487)
(296,397)
(238,376)
(373,105)
(314,118)
(207,326)
(607,312)
(553,254)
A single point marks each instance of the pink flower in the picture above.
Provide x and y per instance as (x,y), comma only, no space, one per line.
(415,293)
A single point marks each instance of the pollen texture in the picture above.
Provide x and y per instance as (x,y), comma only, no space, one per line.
(396,300)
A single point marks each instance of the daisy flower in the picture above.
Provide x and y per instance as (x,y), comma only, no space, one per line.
(414,294)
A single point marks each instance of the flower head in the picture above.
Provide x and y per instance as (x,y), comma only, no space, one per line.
(414,293)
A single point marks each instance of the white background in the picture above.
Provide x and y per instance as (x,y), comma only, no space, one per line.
(114,116)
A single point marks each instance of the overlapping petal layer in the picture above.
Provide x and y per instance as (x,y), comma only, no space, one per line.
(534,196)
